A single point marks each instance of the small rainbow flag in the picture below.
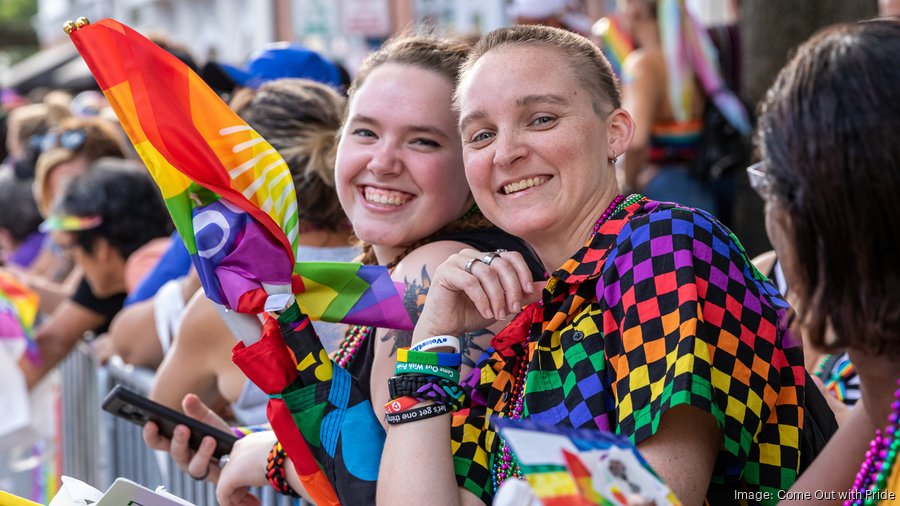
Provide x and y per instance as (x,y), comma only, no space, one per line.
(229,192)
(617,43)
(18,310)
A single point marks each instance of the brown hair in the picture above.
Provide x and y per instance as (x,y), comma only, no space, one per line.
(587,62)
(102,139)
(827,132)
(443,56)
(300,119)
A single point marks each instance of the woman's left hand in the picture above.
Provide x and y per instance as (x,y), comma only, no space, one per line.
(473,289)
(246,467)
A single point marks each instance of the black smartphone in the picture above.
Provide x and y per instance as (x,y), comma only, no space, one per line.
(134,407)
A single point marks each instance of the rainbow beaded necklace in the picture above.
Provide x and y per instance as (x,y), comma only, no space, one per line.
(505,465)
(876,469)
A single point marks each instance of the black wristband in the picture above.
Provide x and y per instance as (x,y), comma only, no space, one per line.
(416,414)
(408,384)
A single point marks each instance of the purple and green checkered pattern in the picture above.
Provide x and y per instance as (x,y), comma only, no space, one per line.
(661,308)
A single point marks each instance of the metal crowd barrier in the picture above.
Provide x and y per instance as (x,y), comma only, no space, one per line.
(98,447)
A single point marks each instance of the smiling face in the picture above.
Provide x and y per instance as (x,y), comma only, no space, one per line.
(536,152)
(399,173)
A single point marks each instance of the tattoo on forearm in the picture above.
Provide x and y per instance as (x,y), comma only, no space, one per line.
(470,344)
(414,302)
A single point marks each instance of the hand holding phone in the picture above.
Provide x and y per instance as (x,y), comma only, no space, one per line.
(138,409)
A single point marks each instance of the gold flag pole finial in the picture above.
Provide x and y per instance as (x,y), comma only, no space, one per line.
(70,26)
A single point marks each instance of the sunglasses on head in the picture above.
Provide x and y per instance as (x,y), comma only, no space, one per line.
(68,139)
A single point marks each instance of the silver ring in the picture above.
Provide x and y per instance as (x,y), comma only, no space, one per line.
(223,460)
(470,263)
(490,257)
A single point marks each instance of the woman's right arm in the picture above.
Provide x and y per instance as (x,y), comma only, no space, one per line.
(417,463)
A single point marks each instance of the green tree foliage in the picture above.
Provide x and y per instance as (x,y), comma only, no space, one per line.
(16,33)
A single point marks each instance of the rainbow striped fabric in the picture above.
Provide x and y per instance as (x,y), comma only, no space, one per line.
(229,192)
(690,53)
(617,43)
(18,310)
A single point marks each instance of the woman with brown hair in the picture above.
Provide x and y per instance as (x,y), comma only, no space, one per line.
(830,176)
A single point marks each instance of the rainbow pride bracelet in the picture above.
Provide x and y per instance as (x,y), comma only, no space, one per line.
(429,357)
(431,370)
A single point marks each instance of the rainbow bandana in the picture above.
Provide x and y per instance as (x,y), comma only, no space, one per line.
(229,192)
(70,223)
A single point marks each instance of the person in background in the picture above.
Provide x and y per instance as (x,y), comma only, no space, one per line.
(665,92)
(100,219)
(65,151)
(275,60)
(20,240)
(830,176)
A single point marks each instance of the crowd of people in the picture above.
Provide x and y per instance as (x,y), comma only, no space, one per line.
(560,257)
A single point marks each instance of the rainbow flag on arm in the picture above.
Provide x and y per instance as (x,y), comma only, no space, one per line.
(229,192)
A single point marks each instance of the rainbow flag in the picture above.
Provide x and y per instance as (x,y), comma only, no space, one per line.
(617,43)
(229,192)
(581,467)
(18,310)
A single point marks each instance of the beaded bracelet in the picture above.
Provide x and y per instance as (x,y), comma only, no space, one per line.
(438,342)
(275,471)
(429,357)
(432,370)
(416,414)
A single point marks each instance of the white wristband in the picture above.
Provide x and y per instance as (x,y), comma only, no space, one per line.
(438,342)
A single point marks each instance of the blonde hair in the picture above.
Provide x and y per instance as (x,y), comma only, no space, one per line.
(587,62)
(300,119)
(102,139)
